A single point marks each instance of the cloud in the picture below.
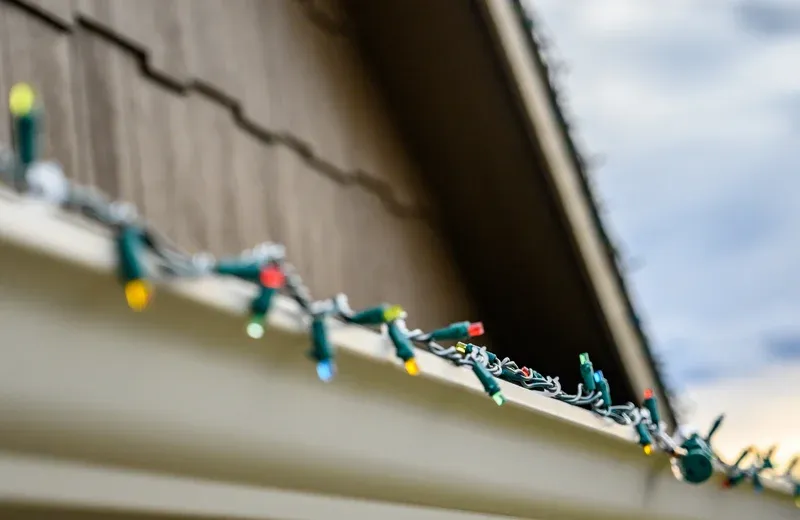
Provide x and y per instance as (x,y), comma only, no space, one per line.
(784,347)
(696,107)
(770,18)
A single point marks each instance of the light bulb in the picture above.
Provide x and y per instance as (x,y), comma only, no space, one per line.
(255,329)
(499,398)
(394,312)
(21,99)
(137,293)
(325,370)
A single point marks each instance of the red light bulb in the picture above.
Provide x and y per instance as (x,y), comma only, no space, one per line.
(475,329)
(272,277)
(648,394)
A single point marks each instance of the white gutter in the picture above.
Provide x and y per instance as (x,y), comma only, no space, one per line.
(123,397)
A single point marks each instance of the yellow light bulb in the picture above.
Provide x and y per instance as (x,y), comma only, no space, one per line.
(393,313)
(412,367)
(648,449)
(137,293)
(461,347)
(21,99)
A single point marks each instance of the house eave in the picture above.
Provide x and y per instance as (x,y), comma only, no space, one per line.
(518,215)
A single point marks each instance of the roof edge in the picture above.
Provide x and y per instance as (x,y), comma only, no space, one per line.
(528,26)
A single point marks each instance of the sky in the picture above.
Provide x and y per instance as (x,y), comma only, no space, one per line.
(691,109)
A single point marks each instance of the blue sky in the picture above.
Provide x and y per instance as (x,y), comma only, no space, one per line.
(695,108)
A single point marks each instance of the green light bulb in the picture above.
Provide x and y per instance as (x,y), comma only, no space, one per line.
(499,398)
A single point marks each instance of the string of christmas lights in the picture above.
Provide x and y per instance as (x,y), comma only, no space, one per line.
(145,259)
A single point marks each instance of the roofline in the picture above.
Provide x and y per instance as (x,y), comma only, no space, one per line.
(526,24)
(238,434)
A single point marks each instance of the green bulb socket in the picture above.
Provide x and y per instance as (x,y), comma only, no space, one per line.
(587,373)
(512,376)
(402,345)
(320,346)
(792,464)
(454,331)
(644,436)
(130,242)
(605,391)
(249,272)
(767,459)
(735,480)
(696,465)
(652,406)
(371,316)
(263,301)
(758,486)
(743,455)
(714,427)
(490,385)
(26,134)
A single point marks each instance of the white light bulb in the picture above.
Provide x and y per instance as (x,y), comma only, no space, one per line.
(255,330)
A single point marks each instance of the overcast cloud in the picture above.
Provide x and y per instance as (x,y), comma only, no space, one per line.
(695,106)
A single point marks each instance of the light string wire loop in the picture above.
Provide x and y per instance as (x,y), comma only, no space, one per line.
(146,259)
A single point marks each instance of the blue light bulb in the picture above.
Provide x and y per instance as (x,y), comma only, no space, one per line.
(598,376)
(325,370)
